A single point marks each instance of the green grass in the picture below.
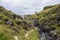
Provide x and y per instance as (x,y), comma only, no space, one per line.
(4,35)
(32,36)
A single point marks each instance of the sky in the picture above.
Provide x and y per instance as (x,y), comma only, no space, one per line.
(23,7)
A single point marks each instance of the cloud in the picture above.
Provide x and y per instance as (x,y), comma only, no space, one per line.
(50,2)
(14,2)
(23,7)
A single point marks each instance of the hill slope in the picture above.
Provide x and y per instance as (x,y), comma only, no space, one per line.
(49,16)
(9,24)
(13,25)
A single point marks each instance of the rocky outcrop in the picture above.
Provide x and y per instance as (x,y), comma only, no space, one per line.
(50,34)
(10,23)
(45,32)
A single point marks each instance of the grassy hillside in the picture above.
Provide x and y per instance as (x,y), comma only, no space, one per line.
(12,25)
(9,24)
(49,16)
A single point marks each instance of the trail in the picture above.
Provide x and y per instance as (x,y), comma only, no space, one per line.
(27,34)
(16,37)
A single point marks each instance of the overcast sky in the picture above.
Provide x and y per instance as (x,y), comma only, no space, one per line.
(23,7)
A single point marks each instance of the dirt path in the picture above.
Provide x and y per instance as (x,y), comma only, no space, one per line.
(16,37)
(27,34)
